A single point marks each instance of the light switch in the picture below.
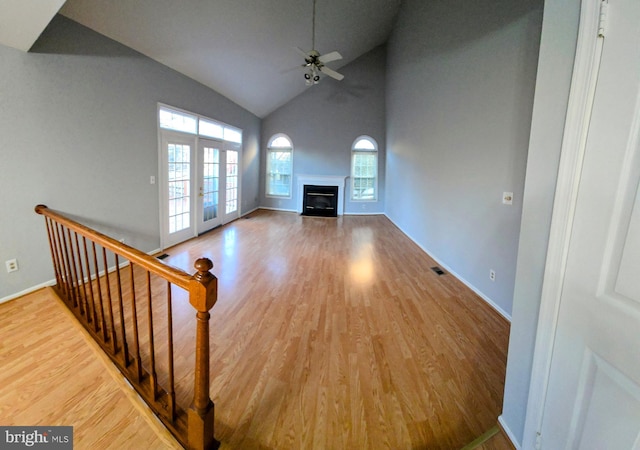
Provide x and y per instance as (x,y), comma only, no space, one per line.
(152,179)
(507,198)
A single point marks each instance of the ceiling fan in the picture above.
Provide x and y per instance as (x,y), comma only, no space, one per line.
(314,62)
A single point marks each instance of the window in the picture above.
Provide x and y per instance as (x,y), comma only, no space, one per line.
(232,135)
(279,166)
(210,129)
(364,169)
(177,120)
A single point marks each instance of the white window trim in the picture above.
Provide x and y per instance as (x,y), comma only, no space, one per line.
(355,151)
(226,128)
(266,166)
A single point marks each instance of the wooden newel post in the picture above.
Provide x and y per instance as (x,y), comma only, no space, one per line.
(203,294)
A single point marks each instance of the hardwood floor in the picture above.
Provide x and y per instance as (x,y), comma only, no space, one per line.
(53,375)
(327,334)
(335,334)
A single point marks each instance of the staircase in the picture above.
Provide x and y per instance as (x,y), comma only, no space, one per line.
(125,300)
(53,374)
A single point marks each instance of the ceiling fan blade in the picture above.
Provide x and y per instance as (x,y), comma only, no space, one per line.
(332,73)
(333,56)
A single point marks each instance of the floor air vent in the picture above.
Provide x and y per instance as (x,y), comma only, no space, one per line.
(163,256)
(438,270)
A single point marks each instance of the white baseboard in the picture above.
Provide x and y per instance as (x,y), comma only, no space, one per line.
(53,282)
(28,291)
(278,209)
(509,433)
(368,213)
(249,212)
(490,302)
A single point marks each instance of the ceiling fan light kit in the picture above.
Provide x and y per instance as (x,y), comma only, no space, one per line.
(311,77)
(314,62)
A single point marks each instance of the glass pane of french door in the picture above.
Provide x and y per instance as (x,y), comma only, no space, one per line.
(179,183)
(231,188)
(210,182)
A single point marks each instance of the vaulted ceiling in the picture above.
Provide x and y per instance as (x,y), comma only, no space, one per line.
(243,49)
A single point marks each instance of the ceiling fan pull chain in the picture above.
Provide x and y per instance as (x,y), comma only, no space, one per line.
(313,27)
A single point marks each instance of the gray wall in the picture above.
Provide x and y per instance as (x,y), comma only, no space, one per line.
(78,133)
(460,86)
(323,123)
(557,50)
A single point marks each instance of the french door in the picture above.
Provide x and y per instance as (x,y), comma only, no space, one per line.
(176,188)
(231,182)
(209,185)
(200,186)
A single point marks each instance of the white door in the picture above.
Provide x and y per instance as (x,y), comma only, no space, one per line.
(176,193)
(593,393)
(231,182)
(209,185)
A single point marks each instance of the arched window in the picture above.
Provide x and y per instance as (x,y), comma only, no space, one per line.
(279,166)
(364,169)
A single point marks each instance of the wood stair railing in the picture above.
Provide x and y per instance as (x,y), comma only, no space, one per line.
(105,284)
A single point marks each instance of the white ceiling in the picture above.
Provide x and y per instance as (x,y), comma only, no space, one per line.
(22,21)
(243,49)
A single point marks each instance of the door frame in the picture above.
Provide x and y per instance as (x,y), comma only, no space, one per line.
(581,95)
(194,140)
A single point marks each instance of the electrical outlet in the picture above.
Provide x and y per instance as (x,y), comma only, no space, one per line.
(12,265)
(492,275)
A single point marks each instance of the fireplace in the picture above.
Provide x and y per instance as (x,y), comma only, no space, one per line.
(320,201)
(322,181)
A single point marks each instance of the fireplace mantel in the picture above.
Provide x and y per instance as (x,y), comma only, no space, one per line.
(322,180)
